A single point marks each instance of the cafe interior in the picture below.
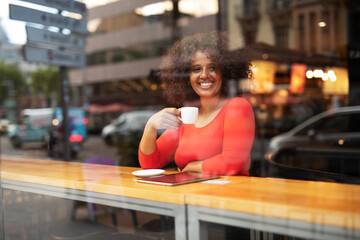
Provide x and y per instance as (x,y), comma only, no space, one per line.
(304,177)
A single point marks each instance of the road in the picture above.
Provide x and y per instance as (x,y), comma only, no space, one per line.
(93,146)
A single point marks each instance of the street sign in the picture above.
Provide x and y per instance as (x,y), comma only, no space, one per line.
(47,19)
(43,36)
(67,5)
(61,58)
(55,57)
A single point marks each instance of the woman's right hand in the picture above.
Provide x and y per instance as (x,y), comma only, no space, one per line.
(165,119)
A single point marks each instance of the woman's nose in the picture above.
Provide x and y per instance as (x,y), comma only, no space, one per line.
(204,74)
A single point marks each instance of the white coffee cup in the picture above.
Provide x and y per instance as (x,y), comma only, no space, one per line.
(189,114)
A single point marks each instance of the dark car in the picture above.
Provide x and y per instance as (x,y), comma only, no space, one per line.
(325,147)
(336,127)
(125,123)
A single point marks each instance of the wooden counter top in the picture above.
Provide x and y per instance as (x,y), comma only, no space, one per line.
(116,180)
(325,203)
(314,202)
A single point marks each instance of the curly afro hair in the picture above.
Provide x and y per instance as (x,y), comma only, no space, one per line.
(175,67)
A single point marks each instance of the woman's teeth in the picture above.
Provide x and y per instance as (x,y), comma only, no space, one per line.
(205,84)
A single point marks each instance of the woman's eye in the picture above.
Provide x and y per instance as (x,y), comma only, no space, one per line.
(196,69)
(212,68)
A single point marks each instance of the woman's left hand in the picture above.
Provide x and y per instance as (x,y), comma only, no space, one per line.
(195,166)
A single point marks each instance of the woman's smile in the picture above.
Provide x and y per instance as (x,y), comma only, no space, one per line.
(206,85)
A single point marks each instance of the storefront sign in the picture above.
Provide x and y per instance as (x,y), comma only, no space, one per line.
(297,78)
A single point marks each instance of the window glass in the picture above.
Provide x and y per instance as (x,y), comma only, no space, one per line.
(254,69)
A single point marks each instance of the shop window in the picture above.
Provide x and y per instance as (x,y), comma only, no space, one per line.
(325,32)
(281,36)
(312,32)
(301,30)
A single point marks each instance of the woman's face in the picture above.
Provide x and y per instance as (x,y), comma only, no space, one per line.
(205,78)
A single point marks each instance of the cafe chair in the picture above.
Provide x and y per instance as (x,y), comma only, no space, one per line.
(161,228)
(93,211)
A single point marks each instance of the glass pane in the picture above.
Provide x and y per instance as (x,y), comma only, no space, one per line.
(91,91)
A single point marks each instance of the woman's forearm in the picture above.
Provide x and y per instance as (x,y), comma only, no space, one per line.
(148,140)
(195,166)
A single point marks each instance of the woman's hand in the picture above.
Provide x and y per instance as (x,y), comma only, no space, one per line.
(195,166)
(165,119)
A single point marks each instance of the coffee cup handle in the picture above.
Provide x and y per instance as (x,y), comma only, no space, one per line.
(179,116)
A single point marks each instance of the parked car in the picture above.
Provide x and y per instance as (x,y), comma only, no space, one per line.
(330,164)
(32,127)
(326,147)
(126,122)
(35,125)
(336,127)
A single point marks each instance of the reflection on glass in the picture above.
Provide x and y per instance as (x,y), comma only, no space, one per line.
(304,62)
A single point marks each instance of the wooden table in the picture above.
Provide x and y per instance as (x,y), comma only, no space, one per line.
(315,210)
(307,209)
(102,184)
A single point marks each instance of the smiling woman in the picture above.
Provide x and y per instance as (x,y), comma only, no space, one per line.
(220,140)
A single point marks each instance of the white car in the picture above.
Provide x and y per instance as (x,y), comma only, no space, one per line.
(126,122)
(335,127)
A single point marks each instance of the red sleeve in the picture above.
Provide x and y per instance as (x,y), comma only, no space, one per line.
(166,146)
(239,130)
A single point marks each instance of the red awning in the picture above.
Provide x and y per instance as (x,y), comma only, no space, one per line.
(114,107)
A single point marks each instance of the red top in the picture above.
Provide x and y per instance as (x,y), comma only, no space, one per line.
(224,144)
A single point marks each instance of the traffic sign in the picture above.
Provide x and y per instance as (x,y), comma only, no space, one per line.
(55,57)
(47,19)
(67,5)
(51,56)
(36,35)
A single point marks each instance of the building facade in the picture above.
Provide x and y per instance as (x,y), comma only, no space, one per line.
(298,49)
(125,47)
